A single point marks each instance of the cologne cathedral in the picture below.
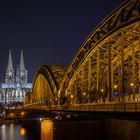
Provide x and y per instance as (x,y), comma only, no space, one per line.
(15,87)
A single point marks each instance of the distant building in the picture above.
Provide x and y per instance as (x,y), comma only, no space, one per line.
(16,85)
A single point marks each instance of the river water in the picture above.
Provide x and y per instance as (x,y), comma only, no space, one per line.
(100,129)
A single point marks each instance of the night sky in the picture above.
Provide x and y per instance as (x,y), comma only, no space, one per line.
(48,32)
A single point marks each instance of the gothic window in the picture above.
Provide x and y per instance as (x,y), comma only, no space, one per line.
(22,75)
(10,75)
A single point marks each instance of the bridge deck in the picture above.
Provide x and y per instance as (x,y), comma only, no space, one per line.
(102,107)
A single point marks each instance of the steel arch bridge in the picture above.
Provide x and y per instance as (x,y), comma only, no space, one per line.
(106,67)
(46,84)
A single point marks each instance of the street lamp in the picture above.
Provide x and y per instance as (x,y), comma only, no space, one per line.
(71,96)
(132,90)
(84,94)
(102,90)
(22,113)
(115,86)
(131,84)
(116,90)
(102,95)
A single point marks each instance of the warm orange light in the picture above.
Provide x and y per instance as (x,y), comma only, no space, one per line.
(46,130)
(11,114)
(22,113)
(131,84)
(71,96)
(102,90)
(115,86)
(22,131)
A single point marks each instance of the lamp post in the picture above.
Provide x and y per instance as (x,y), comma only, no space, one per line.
(71,99)
(116,91)
(132,85)
(102,93)
(83,98)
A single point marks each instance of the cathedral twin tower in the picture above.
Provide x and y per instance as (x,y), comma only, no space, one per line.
(16,85)
(21,72)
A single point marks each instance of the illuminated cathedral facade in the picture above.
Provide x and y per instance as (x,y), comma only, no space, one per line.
(15,87)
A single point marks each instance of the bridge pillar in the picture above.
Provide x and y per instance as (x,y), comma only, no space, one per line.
(121,97)
(109,83)
(82,82)
(89,78)
(133,71)
(98,71)
(139,54)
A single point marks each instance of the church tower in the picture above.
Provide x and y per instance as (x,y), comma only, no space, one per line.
(15,87)
(22,70)
(9,70)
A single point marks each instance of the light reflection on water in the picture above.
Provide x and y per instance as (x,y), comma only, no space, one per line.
(23,132)
(108,129)
(11,132)
(46,130)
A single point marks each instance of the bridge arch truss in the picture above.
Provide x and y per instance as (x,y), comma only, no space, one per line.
(107,65)
(46,84)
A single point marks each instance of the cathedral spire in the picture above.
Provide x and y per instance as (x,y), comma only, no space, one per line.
(9,78)
(22,70)
(21,66)
(10,63)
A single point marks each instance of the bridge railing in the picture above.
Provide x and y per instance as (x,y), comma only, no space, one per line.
(99,107)
(107,107)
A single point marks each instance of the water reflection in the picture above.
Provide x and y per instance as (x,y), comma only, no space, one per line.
(22,131)
(77,130)
(11,132)
(46,130)
(102,129)
(3,132)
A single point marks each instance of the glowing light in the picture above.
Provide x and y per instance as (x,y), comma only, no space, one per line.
(22,131)
(84,93)
(115,86)
(40,119)
(46,130)
(11,114)
(102,90)
(22,113)
(71,96)
(131,84)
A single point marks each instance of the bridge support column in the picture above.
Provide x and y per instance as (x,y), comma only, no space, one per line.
(121,98)
(76,89)
(98,72)
(82,83)
(89,79)
(133,71)
(109,73)
(112,79)
(139,54)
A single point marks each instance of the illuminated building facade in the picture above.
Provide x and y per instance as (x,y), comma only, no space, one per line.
(16,85)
